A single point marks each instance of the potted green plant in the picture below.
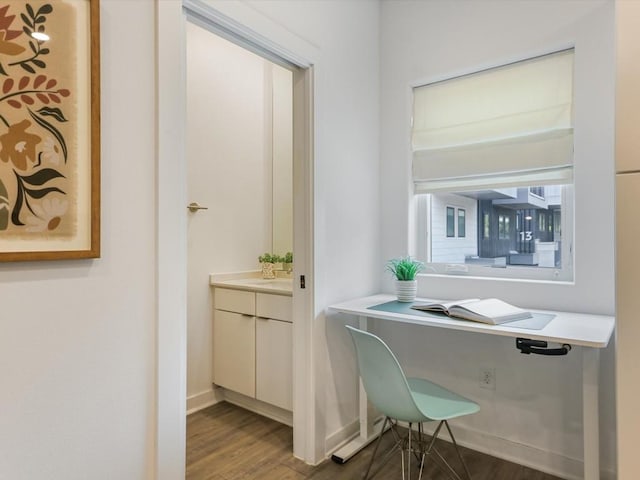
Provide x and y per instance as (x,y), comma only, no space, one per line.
(268,261)
(287,262)
(405,270)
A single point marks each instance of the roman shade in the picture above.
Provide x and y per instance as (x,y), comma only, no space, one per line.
(505,126)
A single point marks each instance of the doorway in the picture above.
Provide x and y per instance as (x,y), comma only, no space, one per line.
(172,227)
(239,173)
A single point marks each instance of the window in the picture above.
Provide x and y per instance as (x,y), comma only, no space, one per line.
(503,227)
(498,146)
(485,225)
(461,223)
(450,222)
(538,191)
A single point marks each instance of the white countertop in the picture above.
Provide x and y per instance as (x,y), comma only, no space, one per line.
(277,286)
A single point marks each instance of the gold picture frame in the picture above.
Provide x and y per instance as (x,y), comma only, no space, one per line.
(49,129)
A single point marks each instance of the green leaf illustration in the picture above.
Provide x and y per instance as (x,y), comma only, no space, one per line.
(43,123)
(42,176)
(52,112)
(4,207)
(47,8)
(26,20)
(2,70)
(42,192)
(28,68)
(39,63)
(17,207)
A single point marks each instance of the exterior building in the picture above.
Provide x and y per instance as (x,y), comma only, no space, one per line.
(510,226)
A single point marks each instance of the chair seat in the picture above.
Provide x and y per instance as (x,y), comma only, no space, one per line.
(438,403)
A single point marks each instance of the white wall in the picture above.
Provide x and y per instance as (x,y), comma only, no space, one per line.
(77,346)
(532,416)
(453,250)
(228,153)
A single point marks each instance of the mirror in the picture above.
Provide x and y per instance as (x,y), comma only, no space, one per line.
(282,159)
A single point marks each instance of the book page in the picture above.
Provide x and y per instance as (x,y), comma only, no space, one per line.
(489,310)
(443,307)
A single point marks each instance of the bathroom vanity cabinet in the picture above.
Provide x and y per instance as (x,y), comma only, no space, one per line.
(252,342)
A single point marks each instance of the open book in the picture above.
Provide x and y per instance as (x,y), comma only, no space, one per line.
(489,310)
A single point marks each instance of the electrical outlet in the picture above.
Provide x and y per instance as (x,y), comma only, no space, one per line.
(487,378)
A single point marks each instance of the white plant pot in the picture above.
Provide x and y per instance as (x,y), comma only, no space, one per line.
(406,290)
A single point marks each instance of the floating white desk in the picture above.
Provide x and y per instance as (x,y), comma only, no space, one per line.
(591,332)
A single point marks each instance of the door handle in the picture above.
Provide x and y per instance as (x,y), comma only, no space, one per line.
(194,207)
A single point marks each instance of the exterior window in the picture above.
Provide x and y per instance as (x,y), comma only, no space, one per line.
(493,151)
(503,227)
(537,191)
(485,225)
(498,229)
(451,222)
(462,220)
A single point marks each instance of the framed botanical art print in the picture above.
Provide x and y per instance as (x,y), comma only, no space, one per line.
(49,129)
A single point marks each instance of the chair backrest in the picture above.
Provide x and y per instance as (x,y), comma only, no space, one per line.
(383,379)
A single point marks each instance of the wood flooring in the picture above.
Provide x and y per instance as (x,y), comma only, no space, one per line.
(225,442)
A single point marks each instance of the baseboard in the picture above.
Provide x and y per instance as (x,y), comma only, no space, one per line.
(341,436)
(522,454)
(203,400)
(261,408)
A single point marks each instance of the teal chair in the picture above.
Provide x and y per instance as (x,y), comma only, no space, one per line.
(408,400)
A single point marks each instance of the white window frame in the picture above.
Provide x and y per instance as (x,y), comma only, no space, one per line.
(439,166)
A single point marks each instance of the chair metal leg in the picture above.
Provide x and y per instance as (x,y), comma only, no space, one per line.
(423,453)
(409,452)
(416,446)
(455,444)
(373,455)
(398,443)
(446,467)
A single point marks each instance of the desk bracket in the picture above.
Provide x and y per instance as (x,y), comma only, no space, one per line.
(539,347)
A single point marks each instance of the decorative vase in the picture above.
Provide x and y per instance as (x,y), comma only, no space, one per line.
(267,271)
(406,290)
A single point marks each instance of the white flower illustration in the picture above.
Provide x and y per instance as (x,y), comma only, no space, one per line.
(48,215)
(50,151)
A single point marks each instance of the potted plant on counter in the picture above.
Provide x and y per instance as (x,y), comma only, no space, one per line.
(268,261)
(287,262)
(405,270)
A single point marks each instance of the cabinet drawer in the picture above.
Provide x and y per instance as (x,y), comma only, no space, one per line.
(234,301)
(274,306)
